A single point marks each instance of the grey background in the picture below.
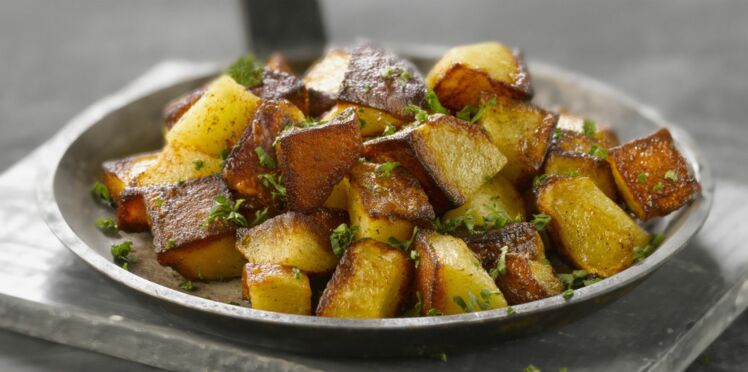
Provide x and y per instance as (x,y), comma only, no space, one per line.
(689,59)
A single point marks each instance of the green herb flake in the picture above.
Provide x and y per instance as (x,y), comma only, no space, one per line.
(296,273)
(510,310)
(341,238)
(598,152)
(441,356)
(361,123)
(539,179)
(418,112)
(121,253)
(671,175)
(187,285)
(589,128)
(556,133)
(106,225)
(384,170)
(531,368)
(642,177)
(389,129)
(223,210)
(434,312)
(169,245)
(433,103)
(568,294)
(541,221)
(198,164)
(101,192)
(658,186)
(246,71)
(640,253)
(500,268)
(474,303)
(405,244)
(417,307)
(265,159)
(274,183)
(159,202)
(261,215)
(224,154)
(572,173)
(482,109)
(415,257)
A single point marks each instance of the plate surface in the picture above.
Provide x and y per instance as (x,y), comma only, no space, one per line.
(124,124)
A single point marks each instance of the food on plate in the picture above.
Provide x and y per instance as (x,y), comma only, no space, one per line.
(363,190)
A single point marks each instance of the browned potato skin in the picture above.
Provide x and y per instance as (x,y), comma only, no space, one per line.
(242,168)
(653,155)
(605,135)
(565,162)
(518,284)
(131,214)
(407,148)
(355,293)
(178,106)
(176,214)
(571,141)
(366,85)
(277,85)
(313,160)
(278,61)
(118,177)
(324,80)
(398,196)
(462,86)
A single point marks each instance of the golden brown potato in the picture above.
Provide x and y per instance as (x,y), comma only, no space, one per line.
(449,157)
(177,163)
(373,122)
(184,238)
(450,278)
(243,168)
(338,198)
(131,214)
(121,173)
(381,80)
(495,196)
(571,141)
(277,85)
(278,62)
(527,274)
(606,137)
(277,288)
(313,160)
(386,203)
(371,281)
(589,230)
(466,72)
(324,80)
(565,163)
(178,106)
(293,239)
(652,175)
(522,132)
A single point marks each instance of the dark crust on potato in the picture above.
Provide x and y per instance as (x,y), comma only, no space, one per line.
(653,155)
(398,196)
(523,245)
(595,168)
(131,214)
(176,212)
(242,168)
(427,277)
(123,171)
(571,141)
(174,110)
(366,85)
(278,61)
(278,85)
(313,160)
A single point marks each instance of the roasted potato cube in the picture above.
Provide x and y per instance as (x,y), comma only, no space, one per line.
(589,230)
(386,203)
(338,198)
(293,239)
(522,132)
(324,80)
(243,167)
(652,175)
(450,278)
(277,85)
(178,163)
(466,72)
(449,157)
(528,275)
(606,137)
(381,80)
(495,196)
(174,110)
(183,238)
(121,173)
(277,288)
(565,163)
(313,160)
(131,214)
(216,121)
(373,122)
(371,281)
(570,141)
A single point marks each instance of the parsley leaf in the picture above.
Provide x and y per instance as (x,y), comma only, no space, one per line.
(102,192)
(433,102)
(389,129)
(418,112)
(642,177)
(541,221)
(640,253)
(187,286)
(106,225)
(434,312)
(531,368)
(261,215)
(274,183)
(309,122)
(199,164)
(500,268)
(474,303)
(121,253)
(342,237)
(658,186)
(223,210)
(568,294)
(417,307)
(405,244)
(472,114)
(599,152)
(589,127)
(384,170)
(246,71)
(671,175)
(169,245)
(265,159)
(296,273)
(539,179)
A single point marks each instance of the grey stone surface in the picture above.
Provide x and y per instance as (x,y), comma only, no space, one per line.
(687,58)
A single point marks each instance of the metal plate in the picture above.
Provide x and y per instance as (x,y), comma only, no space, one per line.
(122,125)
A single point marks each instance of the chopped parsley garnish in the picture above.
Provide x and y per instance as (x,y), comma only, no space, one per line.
(441,356)
(453,223)
(224,210)
(199,164)
(361,122)
(224,154)
(403,75)
(588,282)
(671,175)
(261,215)
(572,173)
(265,159)
(389,129)
(246,71)
(121,253)
(296,273)
(367,87)
(472,114)
(556,133)
(589,128)
(510,310)
(568,294)
(642,177)
(539,179)
(309,122)
(658,186)
(495,219)
(102,192)
(416,309)
(473,304)
(342,237)
(274,183)
(106,225)
(640,253)
(418,112)
(415,257)
(187,285)
(531,368)
(500,268)
(159,202)
(169,245)
(405,244)
(434,312)
(384,170)
(598,152)
(541,221)
(433,102)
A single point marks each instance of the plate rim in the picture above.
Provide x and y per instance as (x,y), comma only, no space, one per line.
(151,83)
